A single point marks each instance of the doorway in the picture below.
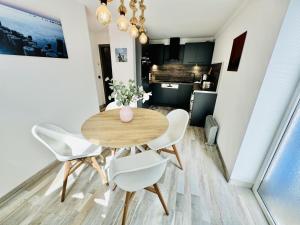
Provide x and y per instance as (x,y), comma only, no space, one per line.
(105,59)
(278,185)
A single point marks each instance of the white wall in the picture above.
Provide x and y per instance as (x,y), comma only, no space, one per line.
(122,71)
(98,38)
(237,91)
(34,90)
(279,84)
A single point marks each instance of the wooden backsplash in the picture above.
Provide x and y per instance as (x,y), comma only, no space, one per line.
(179,72)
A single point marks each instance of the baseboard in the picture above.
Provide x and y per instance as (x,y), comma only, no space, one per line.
(226,175)
(28,182)
(240,183)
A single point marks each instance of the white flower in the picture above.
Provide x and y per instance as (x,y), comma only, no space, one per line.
(146,96)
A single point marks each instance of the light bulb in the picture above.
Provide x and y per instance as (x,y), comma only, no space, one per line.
(154,67)
(122,23)
(134,32)
(103,14)
(143,38)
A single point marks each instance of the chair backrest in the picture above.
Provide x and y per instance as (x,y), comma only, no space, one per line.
(64,145)
(178,121)
(52,137)
(135,172)
(113,105)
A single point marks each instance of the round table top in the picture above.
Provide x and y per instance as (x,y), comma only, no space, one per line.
(107,130)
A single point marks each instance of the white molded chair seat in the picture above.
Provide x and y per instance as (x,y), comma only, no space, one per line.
(137,172)
(178,121)
(64,145)
(69,148)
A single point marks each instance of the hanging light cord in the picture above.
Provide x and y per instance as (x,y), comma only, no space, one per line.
(133,20)
(122,8)
(142,16)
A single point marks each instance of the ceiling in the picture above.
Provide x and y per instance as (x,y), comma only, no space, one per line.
(175,18)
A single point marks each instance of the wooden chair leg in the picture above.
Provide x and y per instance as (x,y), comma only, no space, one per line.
(177,156)
(161,198)
(99,170)
(67,166)
(127,200)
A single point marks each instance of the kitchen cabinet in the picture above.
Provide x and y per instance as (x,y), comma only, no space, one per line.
(171,95)
(155,52)
(198,53)
(203,105)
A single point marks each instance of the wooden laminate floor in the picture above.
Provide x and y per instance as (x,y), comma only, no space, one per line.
(198,195)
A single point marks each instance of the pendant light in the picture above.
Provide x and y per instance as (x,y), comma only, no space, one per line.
(143,37)
(122,21)
(134,32)
(137,27)
(103,14)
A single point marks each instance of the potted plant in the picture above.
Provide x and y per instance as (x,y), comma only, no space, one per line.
(124,95)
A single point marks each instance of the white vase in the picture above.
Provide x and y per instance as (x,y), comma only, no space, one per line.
(126,114)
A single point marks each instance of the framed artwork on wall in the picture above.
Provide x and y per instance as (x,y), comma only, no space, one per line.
(236,52)
(26,33)
(121,54)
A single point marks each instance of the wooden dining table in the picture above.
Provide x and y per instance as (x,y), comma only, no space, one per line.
(107,130)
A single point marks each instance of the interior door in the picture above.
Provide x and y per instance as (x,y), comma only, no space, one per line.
(278,186)
(105,58)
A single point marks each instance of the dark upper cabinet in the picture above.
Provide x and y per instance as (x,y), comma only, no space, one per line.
(198,53)
(155,52)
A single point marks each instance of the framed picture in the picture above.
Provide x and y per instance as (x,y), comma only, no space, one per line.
(236,52)
(23,32)
(121,54)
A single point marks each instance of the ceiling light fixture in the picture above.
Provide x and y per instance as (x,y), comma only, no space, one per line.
(137,28)
(122,21)
(143,37)
(103,14)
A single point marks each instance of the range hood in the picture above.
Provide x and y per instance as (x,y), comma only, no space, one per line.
(174,49)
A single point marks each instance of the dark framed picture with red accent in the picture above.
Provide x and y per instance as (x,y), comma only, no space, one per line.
(236,52)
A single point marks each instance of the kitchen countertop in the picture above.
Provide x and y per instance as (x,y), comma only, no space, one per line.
(168,82)
(203,91)
(196,86)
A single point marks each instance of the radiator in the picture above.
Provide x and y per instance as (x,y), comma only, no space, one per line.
(210,129)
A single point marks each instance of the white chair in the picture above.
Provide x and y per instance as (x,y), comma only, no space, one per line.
(113,105)
(178,121)
(137,172)
(71,149)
